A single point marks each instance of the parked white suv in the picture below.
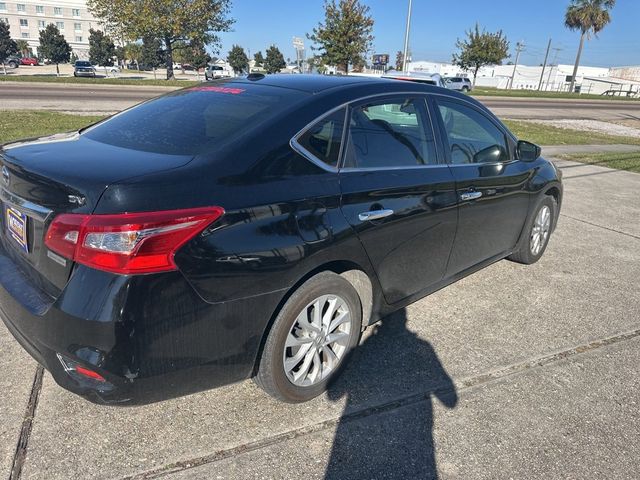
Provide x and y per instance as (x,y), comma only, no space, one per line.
(462,84)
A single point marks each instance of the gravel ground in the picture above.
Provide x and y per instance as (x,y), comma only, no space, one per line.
(595,126)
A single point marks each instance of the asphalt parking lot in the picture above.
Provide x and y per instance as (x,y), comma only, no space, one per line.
(514,372)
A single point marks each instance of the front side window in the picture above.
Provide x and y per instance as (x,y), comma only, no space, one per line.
(323,139)
(473,138)
(389,134)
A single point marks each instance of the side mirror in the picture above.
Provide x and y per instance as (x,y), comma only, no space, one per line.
(492,154)
(528,152)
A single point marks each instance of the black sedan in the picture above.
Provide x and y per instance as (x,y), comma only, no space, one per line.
(253,228)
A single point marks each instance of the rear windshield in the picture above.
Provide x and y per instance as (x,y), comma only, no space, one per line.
(194,120)
(83,64)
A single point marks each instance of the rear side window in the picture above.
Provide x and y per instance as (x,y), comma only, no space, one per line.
(392,133)
(323,139)
(473,138)
(196,119)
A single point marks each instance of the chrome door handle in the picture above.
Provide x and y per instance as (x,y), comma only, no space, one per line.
(374,215)
(470,195)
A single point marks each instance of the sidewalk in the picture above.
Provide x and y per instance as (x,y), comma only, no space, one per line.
(552,151)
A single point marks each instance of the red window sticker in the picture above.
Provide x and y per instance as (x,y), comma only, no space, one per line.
(232,91)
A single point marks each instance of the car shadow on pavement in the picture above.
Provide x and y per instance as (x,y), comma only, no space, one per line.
(386,429)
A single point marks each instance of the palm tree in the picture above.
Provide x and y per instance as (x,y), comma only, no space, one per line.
(23,47)
(589,17)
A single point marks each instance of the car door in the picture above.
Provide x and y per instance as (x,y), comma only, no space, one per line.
(396,193)
(490,183)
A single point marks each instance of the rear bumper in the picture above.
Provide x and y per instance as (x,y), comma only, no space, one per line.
(151,337)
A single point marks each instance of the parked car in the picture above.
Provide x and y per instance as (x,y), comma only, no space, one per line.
(83,68)
(107,68)
(12,62)
(214,71)
(462,84)
(254,227)
(418,77)
(29,61)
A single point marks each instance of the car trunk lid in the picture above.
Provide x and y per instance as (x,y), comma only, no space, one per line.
(65,173)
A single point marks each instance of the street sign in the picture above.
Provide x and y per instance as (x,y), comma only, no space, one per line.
(298,43)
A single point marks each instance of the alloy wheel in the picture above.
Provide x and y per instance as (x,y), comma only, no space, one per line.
(540,231)
(317,341)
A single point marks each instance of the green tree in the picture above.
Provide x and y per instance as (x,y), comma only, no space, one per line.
(121,54)
(7,46)
(346,34)
(169,20)
(399,60)
(53,46)
(23,47)
(238,59)
(258,59)
(151,53)
(196,55)
(101,49)
(274,61)
(132,52)
(479,49)
(588,17)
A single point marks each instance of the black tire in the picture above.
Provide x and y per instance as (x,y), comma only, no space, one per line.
(465,89)
(12,65)
(524,253)
(271,376)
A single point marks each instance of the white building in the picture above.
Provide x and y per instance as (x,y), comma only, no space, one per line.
(595,80)
(26,18)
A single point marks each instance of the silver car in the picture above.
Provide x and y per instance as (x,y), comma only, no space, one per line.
(462,84)
(83,68)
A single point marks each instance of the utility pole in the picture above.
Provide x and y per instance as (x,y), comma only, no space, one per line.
(553,62)
(546,57)
(406,40)
(519,49)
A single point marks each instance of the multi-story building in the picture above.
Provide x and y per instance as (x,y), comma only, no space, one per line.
(26,18)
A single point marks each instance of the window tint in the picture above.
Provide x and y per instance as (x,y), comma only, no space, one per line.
(390,134)
(473,138)
(195,119)
(323,139)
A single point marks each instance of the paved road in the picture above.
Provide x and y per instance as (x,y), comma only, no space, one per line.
(113,98)
(514,372)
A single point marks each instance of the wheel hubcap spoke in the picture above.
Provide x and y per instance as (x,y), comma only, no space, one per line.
(317,340)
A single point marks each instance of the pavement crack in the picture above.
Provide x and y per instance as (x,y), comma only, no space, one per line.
(600,226)
(461,385)
(27,424)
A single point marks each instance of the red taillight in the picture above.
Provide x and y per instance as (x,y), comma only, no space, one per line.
(89,373)
(128,243)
